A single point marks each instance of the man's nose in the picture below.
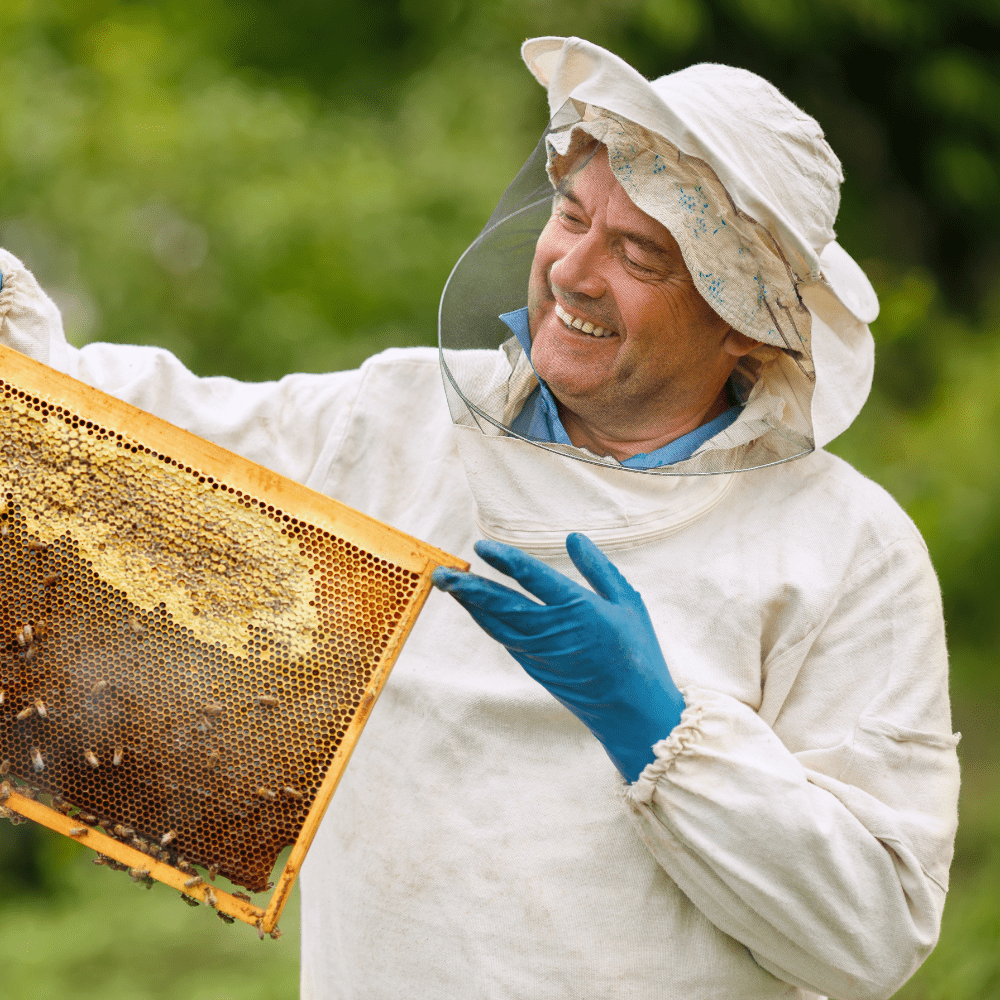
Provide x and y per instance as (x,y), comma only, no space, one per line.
(578,271)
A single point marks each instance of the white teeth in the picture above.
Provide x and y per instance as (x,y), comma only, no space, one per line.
(585,326)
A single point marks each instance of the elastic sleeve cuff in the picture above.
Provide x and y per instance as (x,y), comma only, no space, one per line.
(682,739)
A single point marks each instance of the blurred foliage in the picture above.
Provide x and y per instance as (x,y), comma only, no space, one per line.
(264,188)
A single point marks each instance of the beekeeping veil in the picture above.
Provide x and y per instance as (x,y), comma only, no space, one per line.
(748,187)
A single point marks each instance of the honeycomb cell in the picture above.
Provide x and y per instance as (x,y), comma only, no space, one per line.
(198,653)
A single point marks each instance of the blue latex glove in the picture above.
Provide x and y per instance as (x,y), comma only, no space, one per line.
(595,651)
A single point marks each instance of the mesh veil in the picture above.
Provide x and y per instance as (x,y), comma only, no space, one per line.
(733,260)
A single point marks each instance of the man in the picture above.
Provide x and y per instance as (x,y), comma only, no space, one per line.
(768,807)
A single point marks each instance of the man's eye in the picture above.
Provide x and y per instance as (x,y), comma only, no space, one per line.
(640,268)
(570,219)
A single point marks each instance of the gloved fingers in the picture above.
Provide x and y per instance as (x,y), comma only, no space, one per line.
(477,591)
(597,569)
(546,583)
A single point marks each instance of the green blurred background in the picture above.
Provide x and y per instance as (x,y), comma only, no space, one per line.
(265,187)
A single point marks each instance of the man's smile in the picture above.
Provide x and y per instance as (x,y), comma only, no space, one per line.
(584,326)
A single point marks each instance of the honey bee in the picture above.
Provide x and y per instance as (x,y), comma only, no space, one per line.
(213,709)
(4,530)
(124,832)
(267,700)
(138,874)
(5,791)
(62,805)
(184,866)
(243,896)
(213,760)
(101,859)
(204,725)
(267,793)
(213,870)
(28,793)
(98,689)
(79,831)
(4,767)
(225,917)
(26,713)
(86,818)
(24,635)
(276,933)
(136,626)
(192,882)
(6,813)
(211,898)
(291,793)
(37,760)
(30,653)
(41,709)
(260,929)
(140,845)
(117,756)
(91,758)
(190,900)
(36,546)
(50,580)
(169,836)
(3,697)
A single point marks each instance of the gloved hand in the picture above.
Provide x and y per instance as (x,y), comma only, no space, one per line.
(595,651)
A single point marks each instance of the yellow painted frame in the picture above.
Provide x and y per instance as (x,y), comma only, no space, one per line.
(293,498)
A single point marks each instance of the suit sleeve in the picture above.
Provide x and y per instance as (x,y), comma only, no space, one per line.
(826,855)
(288,426)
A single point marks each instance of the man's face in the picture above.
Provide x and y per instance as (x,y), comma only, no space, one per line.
(601,261)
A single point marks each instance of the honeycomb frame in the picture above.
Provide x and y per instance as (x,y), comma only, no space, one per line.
(160,666)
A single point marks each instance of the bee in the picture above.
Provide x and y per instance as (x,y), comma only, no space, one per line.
(140,845)
(211,898)
(4,530)
(136,626)
(243,896)
(138,874)
(24,635)
(124,832)
(41,709)
(79,831)
(36,546)
(5,791)
(50,580)
(213,870)
(213,760)
(62,805)
(169,836)
(204,725)
(276,933)
(192,882)
(26,713)
(3,697)
(190,900)
(30,653)
(267,793)
(37,760)
(4,767)
(98,689)
(225,917)
(267,700)
(260,929)
(28,793)
(117,756)
(86,818)
(213,710)
(184,865)
(291,793)
(91,758)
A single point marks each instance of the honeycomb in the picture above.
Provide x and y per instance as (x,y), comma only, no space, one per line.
(179,659)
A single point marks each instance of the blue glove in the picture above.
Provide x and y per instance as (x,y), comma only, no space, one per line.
(595,651)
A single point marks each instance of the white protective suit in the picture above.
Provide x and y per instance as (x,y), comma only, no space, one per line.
(794,835)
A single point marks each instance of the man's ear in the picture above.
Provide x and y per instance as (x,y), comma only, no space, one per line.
(738,344)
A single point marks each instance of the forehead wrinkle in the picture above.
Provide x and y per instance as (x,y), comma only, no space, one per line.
(648,243)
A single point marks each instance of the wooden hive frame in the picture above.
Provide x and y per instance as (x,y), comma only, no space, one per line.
(62,395)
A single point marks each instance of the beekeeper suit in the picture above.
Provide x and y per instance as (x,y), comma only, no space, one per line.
(751,630)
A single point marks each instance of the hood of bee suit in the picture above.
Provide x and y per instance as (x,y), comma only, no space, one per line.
(748,187)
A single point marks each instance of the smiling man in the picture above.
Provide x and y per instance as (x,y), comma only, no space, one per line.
(703,750)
